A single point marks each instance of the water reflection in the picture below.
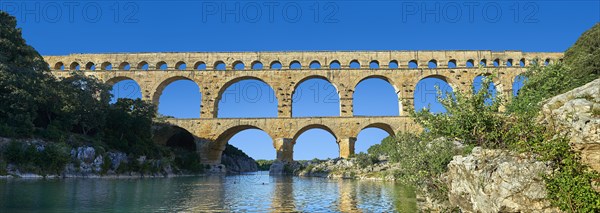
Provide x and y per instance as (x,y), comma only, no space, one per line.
(256,192)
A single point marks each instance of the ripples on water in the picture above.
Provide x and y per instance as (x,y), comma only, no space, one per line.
(256,192)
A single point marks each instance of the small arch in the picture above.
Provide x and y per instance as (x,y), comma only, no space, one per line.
(220,65)
(239,65)
(275,65)
(518,83)
(75,66)
(522,62)
(509,62)
(383,126)
(393,64)
(295,65)
(143,65)
(182,139)
(315,65)
(162,65)
(432,64)
(470,63)
(59,66)
(412,64)
(124,66)
(483,63)
(200,65)
(106,66)
(547,62)
(374,64)
(90,66)
(335,65)
(371,135)
(180,65)
(354,64)
(496,62)
(256,65)
(452,63)
(312,137)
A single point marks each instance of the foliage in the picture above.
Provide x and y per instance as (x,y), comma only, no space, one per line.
(42,159)
(364,160)
(264,165)
(129,128)
(468,118)
(187,160)
(584,57)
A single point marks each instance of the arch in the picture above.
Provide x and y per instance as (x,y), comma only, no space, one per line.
(161,87)
(522,62)
(483,62)
(432,64)
(330,98)
(240,95)
(354,64)
(547,62)
(393,64)
(509,62)
(74,66)
(295,65)
(335,64)
(124,87)
(358,106)
(374,64)
(496,62)
(106,66)
(162,65)
(124,66)
(181,138)
(180,65)
(59,66)
(256,65)
(370,135)
(426,94)
(238,65)
(217,147)
(452,63)
(200,65)
(90,66)
(412,64)
(315,65)
(255,142)
(275,65)
(470,63)
(478,83)
(518,83)
(219,65)
(313,126)
(143,65)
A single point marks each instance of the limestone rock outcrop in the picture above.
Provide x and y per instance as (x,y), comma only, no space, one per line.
(497,181)
(577,115)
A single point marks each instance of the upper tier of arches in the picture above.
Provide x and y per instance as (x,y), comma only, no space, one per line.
(299,60)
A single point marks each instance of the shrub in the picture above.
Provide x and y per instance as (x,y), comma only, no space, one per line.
(364,160)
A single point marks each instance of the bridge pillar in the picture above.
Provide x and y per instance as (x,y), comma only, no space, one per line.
(346,146)
(346,107)
(406,104)
(284,106)
(285,149)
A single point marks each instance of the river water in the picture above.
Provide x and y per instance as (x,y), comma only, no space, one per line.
(254,192)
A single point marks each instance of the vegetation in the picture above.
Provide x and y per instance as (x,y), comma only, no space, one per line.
(473,122)
(264,165)
(67,112)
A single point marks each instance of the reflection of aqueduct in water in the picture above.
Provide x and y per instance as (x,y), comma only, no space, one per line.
(154,71)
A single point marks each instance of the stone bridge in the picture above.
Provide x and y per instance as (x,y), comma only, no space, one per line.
(284,71)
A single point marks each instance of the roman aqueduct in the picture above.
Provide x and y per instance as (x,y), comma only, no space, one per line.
(214,72)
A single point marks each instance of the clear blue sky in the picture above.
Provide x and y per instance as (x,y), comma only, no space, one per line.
(57,27)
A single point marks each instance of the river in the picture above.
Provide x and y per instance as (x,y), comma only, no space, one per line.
(254,192)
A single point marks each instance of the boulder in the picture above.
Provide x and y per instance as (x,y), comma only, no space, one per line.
(576,114)
(497,181)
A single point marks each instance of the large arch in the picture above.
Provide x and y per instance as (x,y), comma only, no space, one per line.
(372,134)
(158,91)
(370,97)
(215,149)
(124,87)
(425,93)
(242,94)
(306,137)
(305,95)
(493,88)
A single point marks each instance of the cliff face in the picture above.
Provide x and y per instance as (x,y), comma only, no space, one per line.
(236,161)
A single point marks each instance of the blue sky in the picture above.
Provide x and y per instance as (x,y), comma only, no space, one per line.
(64,27)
